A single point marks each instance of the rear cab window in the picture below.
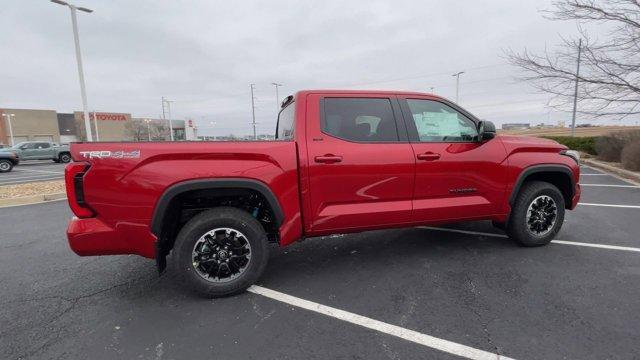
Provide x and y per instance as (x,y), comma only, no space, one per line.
(359,119)
(286,123)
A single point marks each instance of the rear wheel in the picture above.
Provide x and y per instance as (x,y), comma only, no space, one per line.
(64,157)
(221,252)
(5,165)
(537,215)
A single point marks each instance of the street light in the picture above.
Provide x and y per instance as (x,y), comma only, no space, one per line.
(76,38)
(8,117)
(457,75)
(168,102)
(277,97)
(95,123)
(253,113)
(148,121)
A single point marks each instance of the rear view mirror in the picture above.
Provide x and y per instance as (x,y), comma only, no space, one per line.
(486,130)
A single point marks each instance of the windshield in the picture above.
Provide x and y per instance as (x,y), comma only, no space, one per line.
(18,145)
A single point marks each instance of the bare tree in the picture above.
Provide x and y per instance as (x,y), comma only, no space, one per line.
(609,80)
(137,130)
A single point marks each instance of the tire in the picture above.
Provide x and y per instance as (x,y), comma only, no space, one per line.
(194,238)
(544,204)
(5,165)
(64,157)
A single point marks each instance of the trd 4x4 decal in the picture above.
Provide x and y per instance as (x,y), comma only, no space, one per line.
(105,154)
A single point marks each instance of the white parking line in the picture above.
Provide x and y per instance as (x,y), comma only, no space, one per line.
(601,246)
(369,323)
(611,205)
(594,174)
(628,181)
(563,242)
(608,185)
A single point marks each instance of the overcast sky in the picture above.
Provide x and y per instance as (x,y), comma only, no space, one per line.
(204,54)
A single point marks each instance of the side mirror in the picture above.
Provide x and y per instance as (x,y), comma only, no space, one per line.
(486,130)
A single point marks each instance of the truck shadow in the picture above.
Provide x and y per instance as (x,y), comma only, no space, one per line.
(375,252)
(356,257)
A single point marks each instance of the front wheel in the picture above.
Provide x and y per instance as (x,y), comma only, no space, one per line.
(5,166)
(64,157)
(537,215)
(220,252)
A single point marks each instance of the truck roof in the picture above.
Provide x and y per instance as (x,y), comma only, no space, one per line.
(381,92)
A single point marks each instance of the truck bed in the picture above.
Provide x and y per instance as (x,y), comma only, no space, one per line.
(125,180)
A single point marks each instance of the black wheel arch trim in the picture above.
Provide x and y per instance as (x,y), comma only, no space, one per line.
(202,184)
(547,168)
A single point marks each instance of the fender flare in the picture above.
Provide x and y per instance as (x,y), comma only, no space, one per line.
(541,169)
(202,184)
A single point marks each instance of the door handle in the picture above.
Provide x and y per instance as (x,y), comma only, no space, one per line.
(328,159)
(428,156)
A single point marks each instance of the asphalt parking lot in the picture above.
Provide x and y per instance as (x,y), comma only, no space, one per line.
(396,294)
(32,171)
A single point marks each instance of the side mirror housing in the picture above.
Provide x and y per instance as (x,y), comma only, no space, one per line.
(486,130)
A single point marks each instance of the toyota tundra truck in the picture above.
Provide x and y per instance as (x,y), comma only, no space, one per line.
(341,162)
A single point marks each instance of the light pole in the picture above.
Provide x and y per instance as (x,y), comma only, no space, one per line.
(277,96)
(148,128)
(95,123)
(253,113)
(575,92)
(168,102)
(83,91)
(8,117)
(457,75)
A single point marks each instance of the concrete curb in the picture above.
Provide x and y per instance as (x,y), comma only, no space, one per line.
(34,199)
(625,174)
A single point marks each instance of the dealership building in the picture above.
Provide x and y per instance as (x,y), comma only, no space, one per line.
(49,125)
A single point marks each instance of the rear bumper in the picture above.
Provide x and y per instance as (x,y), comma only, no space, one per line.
(89,237)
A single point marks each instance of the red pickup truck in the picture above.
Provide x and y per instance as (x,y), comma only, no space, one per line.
(342,162)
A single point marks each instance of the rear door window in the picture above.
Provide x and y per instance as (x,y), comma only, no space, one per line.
(360,119)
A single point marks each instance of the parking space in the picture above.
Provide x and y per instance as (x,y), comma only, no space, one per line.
(603,188)
(32,171)
(462,290)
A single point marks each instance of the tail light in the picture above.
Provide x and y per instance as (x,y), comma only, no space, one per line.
(74,178)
